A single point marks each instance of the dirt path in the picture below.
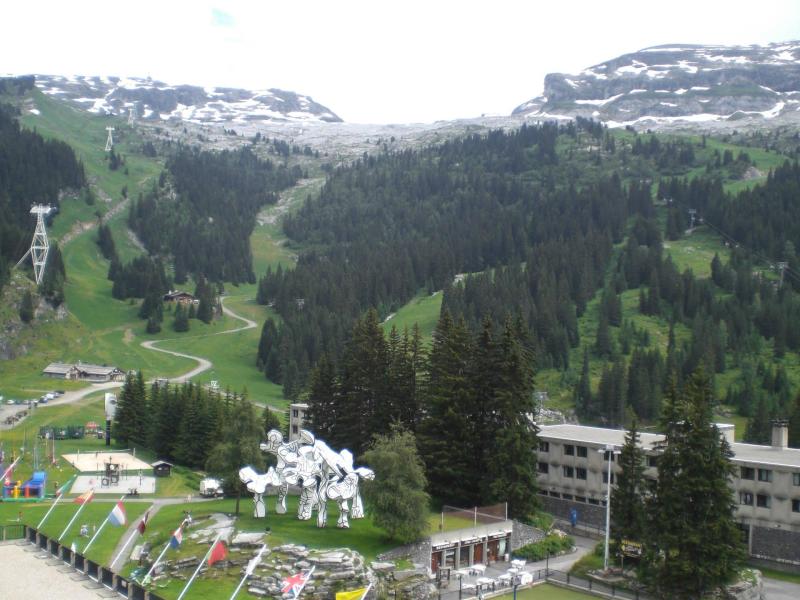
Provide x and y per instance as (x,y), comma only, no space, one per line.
(80,227)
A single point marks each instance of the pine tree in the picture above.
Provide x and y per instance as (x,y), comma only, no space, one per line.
(628,513)
(794,424)
(513,448)
(397,496)
(181,322)
(583,391)
(323,399)
(603,343)
(694,544)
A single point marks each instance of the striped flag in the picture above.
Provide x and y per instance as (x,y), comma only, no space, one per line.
(117,517)
(143,523)
(84,498)
(177,537)
(294,584)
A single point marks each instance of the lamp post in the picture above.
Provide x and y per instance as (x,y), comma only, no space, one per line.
(611,450)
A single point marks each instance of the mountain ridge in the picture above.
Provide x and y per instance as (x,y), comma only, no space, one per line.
(679,83)
(155,100)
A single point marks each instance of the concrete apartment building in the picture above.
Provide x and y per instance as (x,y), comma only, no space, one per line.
(297,419)
(573,467)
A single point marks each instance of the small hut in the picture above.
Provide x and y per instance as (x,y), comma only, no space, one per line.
(162,468)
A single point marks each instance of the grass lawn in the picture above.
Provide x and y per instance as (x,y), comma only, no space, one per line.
(423,310)
(696,251)
(546,591)
(779,575)
(449,523)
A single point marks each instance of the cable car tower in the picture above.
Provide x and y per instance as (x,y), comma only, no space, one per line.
(110,139)
(39,246)
(132,115)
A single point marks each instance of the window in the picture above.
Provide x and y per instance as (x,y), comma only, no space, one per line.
(566,496)
(796,505)
(746,498)
(555,494)
(796,478)
(594,501)
(544,446)
(605,456)
(543,492)
(605,477)
(294,413)
(747,473)
(582,452)
(764,475)
(294,428)
(544,468)
(580,499)
(569,471)
(569,450)
(652,461)
(763,501)
(580,473)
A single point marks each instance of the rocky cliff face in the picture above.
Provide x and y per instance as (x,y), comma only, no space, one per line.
(155,100)
(685,83)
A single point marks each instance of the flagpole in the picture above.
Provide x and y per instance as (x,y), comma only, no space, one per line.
(128,543)
(96,533)
(47,514)
(248,571)
(72,520)
(366,591)
(197,570)
(146,578)
(11,467)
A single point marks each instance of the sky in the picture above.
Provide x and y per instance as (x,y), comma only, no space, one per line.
(377,61)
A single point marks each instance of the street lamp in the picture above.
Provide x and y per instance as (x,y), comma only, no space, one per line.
(611,450)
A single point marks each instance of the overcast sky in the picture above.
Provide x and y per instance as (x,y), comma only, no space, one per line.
(375,61)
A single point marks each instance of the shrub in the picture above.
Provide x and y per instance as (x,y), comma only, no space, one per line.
(552,544)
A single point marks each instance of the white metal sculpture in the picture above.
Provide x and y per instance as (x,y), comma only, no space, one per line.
(109,139)
(319,472)
(39,245)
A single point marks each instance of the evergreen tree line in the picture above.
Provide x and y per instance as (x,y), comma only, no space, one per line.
(684,519)
(469,402)
(388,226)
(32,170)
(203,214)
(182,423)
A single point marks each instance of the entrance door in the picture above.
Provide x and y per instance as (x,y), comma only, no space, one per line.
(492,551)
(436,560)
(478,556)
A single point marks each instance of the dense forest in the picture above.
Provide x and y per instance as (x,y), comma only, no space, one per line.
(533,224)
(203,210)
(32,170)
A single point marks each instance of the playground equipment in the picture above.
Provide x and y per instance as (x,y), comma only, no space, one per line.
(32,490)
(111,476)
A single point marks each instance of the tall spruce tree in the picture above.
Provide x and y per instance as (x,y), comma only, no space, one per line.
(628,513)
(323,399)
(514,444)
(444,433)
(693,545)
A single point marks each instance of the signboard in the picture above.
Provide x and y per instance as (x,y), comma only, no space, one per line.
(630,548)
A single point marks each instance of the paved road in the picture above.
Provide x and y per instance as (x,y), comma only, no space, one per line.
(780,590)
(202,365)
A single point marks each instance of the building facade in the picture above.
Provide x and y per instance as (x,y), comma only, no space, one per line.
(297,419)
(573,475)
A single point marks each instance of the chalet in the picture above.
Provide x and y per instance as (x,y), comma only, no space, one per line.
(162,468)
(58,370)
(83,372)
(179,297)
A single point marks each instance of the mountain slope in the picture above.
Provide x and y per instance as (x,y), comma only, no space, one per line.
(156,100)
(683,83)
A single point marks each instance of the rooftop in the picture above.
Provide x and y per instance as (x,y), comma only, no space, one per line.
(765,455)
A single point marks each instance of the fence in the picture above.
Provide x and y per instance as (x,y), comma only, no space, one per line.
(12,532)
(94,571)
(594,587)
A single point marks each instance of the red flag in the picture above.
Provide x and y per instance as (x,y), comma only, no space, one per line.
(143,523)
(218,553)
(84,498)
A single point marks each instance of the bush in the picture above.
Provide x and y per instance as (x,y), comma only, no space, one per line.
(552,544)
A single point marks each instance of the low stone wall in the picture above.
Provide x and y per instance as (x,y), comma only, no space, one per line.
(522,535)
(417,552)
(779,545)
(588,514)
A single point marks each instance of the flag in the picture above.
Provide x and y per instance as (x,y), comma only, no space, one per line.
(117,516)
(294,584)
(143,523)
(351,594)
(218,553)
(84,498)
(177,538)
